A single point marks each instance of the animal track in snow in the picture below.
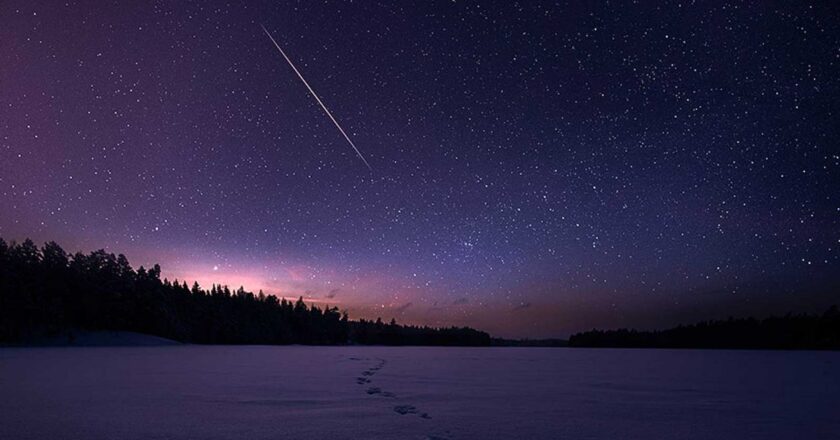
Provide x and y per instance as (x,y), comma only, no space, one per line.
(377,390)
(365,378)
(405,409)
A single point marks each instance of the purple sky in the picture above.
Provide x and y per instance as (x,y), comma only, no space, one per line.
(537,168)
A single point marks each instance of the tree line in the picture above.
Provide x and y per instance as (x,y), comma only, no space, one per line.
(813,332)
(379,333)
(46,291)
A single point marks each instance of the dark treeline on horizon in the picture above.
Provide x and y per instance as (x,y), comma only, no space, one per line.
(813,332)
(47,292)
(379,333)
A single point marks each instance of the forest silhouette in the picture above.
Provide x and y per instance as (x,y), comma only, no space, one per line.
(45,291)
(813,332)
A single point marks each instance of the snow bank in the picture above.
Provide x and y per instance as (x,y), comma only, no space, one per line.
(81,338)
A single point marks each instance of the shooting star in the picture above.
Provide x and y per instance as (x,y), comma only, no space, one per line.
(358,153)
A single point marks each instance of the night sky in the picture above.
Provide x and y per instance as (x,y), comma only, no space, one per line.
(537,168)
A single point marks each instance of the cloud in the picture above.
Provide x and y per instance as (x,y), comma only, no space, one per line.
(522,306)
(461,301)
(402,308)
(332,294)
(435,307)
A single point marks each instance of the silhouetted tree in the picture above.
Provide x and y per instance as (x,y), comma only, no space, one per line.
(46,291)
(787,332)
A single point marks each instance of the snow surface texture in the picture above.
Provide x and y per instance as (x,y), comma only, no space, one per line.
(82,338)
(261,392)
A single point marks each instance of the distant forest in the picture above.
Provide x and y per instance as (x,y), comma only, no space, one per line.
(48,292)
(813,332)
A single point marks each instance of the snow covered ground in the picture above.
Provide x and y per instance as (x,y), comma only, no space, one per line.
(256,392)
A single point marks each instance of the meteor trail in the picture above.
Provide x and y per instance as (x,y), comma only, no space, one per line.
(317,99)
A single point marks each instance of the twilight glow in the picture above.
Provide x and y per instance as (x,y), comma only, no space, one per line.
(536,168)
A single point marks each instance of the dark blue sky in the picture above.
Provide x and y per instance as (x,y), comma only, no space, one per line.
(537,167)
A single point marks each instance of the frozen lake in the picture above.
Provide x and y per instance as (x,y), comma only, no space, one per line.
(257,392)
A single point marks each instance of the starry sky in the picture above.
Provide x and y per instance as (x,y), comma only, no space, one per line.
(537,168)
